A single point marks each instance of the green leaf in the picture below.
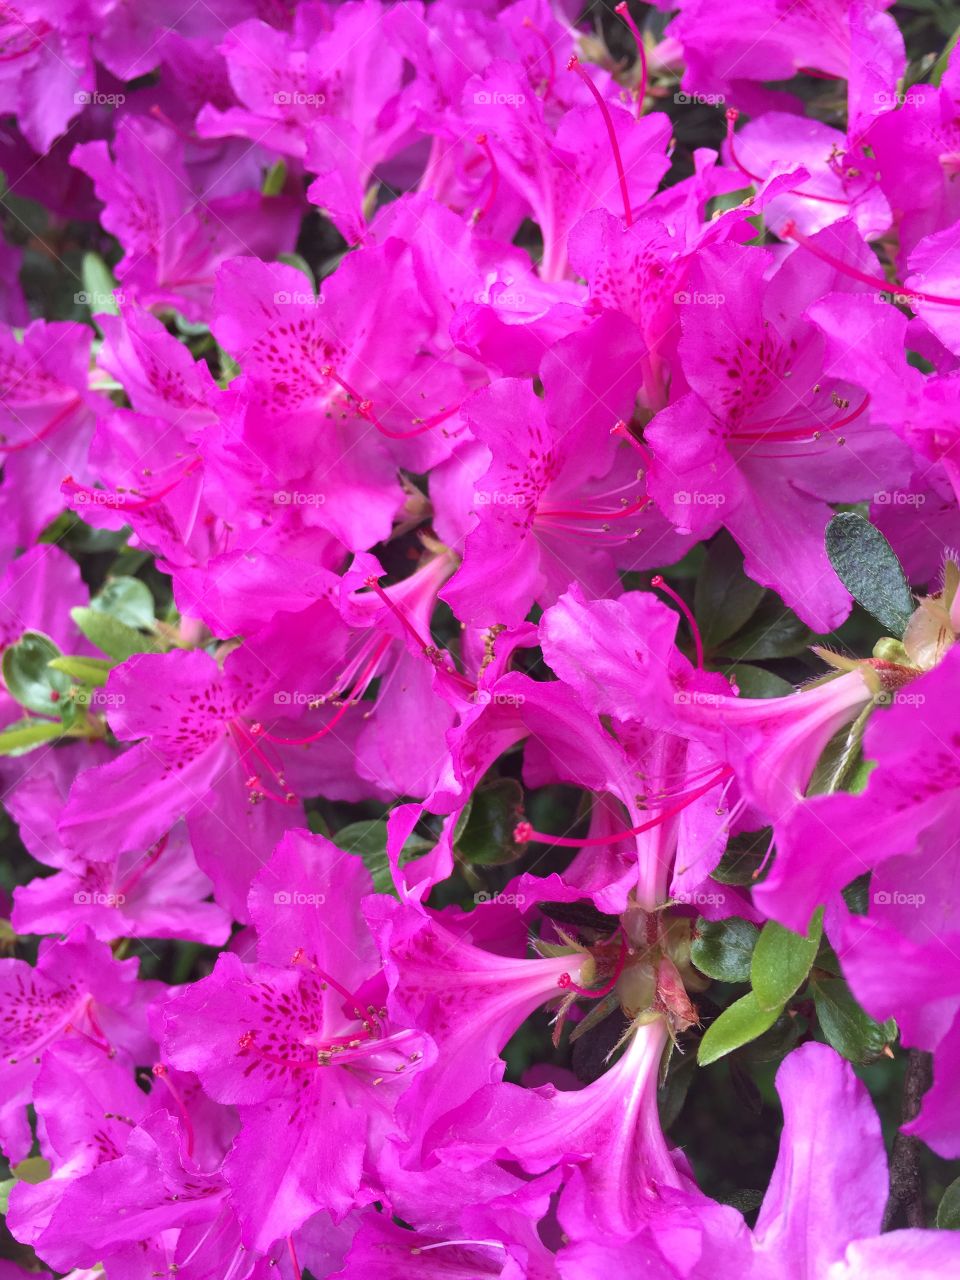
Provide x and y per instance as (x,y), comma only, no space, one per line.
(99,287)
(110,635)
(725,598)
(17,739)
(5,1188)
(486,838)
(781,961)
(29,677)
(34,1169)
(128,600)
(743,858)
(948,1211)
(739,1023)
(301,264)
(774,632)
(722,948)
(868,567)
(850,1029)
(369,841)
(755,682)
(275,178)
(92,671)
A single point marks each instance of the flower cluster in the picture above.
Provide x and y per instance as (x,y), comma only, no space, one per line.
(478,621)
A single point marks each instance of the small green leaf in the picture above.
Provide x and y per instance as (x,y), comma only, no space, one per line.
(29,677)
(99,287)
(739,1023)
(773,632)
(369,841)
(850,1029)
(725,598)
(33,1170)
(275,178)
(722,948)
(17,739)
(110,635)
(781,961)
(868,567)
(486,838)
(92,671)
(128,600)
(5,1188)
(948,1211)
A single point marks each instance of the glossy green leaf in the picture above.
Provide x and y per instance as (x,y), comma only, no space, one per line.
(486,838)
(17,739)
(948,1211)
(739,1023)
(112,636)
(84,670)
(30,678)
(722,948)
(725,598)
(128,600)
(847,1026)
(368,840)
(781,962)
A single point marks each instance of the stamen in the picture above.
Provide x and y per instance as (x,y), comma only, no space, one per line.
(484,144)
(430,651)
(452,1244)
(365,410)
(297,1273)
(624,11)
(574,65)
(658,582)
(523,832)
(47,430)
(548,50)
(790,232)
(161,1073)
(733,115)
